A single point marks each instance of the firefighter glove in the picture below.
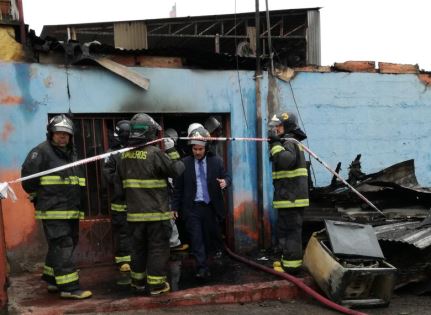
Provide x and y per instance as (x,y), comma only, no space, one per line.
(169,143)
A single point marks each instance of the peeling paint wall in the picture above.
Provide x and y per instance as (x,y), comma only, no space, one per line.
(383,116)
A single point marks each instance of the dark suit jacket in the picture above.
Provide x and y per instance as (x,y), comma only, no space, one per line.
(185,185)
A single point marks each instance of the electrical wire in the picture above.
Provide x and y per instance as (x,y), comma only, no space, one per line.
(303,126)
(237,72)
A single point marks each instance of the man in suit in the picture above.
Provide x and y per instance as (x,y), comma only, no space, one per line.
(198,197)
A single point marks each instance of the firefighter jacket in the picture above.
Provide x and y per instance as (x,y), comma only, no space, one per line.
(144,174)
(289,175)
(110,173)
(55,195)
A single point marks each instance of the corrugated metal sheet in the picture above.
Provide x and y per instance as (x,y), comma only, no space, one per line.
(130,35)
(405,232)
(313,38)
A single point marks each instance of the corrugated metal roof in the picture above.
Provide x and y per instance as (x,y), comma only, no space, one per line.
(405,232)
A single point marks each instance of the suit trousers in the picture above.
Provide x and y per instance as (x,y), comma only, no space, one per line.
(201,224)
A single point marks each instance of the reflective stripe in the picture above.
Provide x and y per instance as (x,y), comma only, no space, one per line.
(156,279)
(174,155)
(118,207)
(144,183)
(137,275)
(276,149)
(291,204)
(71,277)
(153,216)
(290,174)
(291,263)
(59,214)
(123,259)
(49,271)
(57,180)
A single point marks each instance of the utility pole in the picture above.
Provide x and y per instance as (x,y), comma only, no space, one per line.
(259,145)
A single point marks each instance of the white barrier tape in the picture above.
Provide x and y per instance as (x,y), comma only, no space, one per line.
(6,190)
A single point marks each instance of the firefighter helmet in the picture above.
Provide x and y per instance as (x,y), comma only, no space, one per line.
(290,124)
(288,119)
(171,133)
(212,124)
(60,123)
(122,131)
(192,127)
(143,128)
(200,132)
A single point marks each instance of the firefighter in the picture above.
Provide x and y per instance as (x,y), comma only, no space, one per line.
(215,129)
(57,201)
(290,179)
(175,239)
(144,172)
(120,230)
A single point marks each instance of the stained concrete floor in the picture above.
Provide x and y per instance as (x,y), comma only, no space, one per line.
(230,282)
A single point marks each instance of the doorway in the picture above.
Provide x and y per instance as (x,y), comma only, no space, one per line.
(92,137)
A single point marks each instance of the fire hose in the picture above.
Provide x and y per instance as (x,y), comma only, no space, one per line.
(298,282)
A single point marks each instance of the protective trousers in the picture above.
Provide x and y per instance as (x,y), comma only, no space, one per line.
(122,238)
(150,252)
(289,233)
(62,237)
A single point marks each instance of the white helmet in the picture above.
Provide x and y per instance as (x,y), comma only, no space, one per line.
(193,126)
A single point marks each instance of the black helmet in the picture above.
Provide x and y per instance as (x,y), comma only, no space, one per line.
(143,128)
(172,133)
(290,124)
(122,131)
(212,124)
(199,132)
(60,123)
(288,119)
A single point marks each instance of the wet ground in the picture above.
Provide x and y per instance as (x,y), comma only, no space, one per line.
(400,305)
(232,288)
(27,293)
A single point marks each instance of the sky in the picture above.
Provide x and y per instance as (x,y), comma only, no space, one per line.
(364,30)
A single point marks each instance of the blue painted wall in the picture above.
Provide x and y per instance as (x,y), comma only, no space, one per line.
(384,117)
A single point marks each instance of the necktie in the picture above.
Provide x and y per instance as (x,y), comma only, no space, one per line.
(203,180)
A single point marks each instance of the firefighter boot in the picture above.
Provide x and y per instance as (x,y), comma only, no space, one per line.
(76,295)
(277,266)
(125,267)
(164,288)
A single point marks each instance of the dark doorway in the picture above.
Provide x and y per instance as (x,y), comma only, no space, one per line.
(92,137)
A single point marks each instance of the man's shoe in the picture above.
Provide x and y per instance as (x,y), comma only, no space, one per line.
(76,295)
(203,274)
(52,288)
(277,266)
(125,267)
(180,247)
(165,289)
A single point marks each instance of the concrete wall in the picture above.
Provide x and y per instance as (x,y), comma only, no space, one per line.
(382,116)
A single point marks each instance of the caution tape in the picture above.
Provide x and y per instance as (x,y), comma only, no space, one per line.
(6,190)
